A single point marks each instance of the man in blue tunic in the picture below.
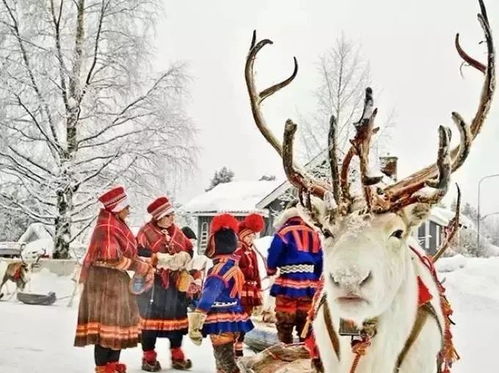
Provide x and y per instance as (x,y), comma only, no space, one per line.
(296,251)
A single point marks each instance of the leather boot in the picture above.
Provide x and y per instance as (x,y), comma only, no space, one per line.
(225,359)
(149,362)
(179,361)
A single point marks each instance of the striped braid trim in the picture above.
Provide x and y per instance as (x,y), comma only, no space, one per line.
(234,273)
(164,325)
(297,268)
(296,284)
(226,317)
(107,331)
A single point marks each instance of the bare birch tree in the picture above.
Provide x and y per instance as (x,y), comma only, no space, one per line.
(82,110)
(343,78)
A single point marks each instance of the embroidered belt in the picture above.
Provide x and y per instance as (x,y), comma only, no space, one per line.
(224,304)
(297,268)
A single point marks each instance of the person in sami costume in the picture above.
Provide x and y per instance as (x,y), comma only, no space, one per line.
(163,309)
(296,251)
(219,313)
(251,297)
(108,316)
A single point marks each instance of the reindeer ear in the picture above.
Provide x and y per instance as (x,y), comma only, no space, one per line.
(416,214)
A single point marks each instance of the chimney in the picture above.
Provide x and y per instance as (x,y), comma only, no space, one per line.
(388,166)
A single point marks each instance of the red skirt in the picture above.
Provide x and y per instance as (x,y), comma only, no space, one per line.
(251,296)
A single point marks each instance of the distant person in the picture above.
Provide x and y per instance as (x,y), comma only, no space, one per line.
(296,251)
(163,309)
(108,316)
(219,313)
(251,296)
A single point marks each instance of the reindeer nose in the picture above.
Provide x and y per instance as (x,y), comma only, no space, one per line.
(350,279)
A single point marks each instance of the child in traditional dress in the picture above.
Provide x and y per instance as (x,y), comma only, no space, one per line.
(219,313)
(251,297)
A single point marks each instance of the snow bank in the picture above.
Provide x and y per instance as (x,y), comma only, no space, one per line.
(45,281)
(450,264)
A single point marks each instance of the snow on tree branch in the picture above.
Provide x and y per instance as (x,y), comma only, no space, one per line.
(85,110)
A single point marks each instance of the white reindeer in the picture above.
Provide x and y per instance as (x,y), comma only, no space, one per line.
(380,309)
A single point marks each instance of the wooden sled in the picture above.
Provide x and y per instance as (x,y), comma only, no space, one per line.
(263,336)
(37,299)
(279,358)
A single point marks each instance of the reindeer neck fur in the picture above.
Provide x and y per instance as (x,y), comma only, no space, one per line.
(393,329)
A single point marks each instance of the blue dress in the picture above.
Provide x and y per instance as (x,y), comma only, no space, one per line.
(220,298)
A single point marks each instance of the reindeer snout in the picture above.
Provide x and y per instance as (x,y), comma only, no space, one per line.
(350,279)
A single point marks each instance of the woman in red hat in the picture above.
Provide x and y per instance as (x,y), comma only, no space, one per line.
(108,316)
(163,309)
(251,295)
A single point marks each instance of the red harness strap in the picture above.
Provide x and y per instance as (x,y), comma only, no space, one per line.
(17,274)
(448,355)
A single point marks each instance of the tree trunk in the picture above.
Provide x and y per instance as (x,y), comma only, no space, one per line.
(65,194)
(63,224)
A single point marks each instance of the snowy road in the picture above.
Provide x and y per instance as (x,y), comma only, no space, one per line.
(39,339)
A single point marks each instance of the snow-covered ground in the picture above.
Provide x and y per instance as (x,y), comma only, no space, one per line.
(38,339)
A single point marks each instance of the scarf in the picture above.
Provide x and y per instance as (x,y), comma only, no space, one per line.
(153,239)
(111,240)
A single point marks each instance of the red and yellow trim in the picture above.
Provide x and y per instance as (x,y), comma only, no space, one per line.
(296,284)
(107,331)
(164,325)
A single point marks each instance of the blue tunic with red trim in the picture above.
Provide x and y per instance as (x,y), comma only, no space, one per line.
(220,298)
(296,251)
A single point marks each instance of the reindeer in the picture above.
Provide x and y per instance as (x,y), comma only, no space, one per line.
(382,308)
(18,272)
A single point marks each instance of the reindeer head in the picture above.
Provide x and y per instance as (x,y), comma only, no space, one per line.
(365,237)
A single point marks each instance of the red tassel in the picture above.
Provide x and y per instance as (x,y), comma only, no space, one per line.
(424,294)
(253,222)
(224,221)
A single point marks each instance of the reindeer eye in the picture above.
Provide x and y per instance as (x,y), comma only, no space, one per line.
(398,234)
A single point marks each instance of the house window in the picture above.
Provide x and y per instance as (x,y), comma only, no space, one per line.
(427,235)
(203,240)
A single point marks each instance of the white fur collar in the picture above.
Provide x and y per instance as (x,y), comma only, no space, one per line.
(294,212)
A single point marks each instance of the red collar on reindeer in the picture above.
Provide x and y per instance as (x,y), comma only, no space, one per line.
(18,273)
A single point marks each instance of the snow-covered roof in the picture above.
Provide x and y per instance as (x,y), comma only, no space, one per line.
(313,164)
(442,216)
(237,197)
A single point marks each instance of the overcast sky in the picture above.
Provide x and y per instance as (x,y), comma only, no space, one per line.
(414,68)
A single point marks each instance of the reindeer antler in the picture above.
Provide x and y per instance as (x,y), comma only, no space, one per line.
(428,185)
(297,177)
(401,193)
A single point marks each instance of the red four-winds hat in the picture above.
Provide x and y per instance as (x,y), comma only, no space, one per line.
(160,207)
(115,199)
(253,223)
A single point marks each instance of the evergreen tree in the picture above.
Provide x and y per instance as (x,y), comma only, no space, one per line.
(224,175)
